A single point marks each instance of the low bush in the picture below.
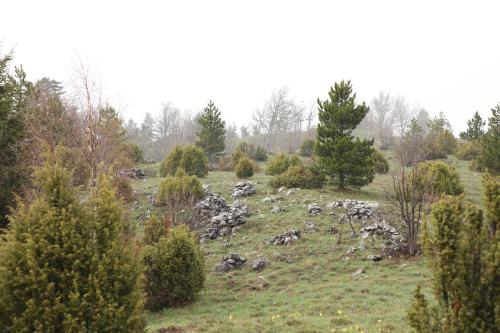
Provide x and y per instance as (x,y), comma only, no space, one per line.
(445,178)
(123,188)
(468,151)
(135,152)
(380,163)
(191,159)
(249,150)
(244,168)
(307,148)
(298,176)
(438,147)
(178,194)
(174,269)
(281,162)
(260,154)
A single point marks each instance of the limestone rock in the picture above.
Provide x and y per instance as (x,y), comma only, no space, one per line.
(314,209)
(285,238)
(243,189)
(230,262)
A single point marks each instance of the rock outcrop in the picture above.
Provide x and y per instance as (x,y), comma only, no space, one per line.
(243,189)
(285,238)
(230,262)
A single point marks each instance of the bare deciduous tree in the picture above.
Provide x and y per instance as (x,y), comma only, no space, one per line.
(411,194)
(280,116)
(402,115)
(382,114)
(167,124)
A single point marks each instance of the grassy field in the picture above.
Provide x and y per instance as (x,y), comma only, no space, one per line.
(317,291)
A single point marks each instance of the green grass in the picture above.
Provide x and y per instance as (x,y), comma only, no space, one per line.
(314,293)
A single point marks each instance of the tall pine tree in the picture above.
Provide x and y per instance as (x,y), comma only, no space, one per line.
(66,265)
(474,128)
(212,132)
(12,96)
(490,144)
(345,160)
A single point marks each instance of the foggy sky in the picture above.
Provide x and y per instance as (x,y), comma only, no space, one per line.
(442,55)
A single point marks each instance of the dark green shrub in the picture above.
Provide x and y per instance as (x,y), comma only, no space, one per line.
(154,229)
(280,163)
(191,159)
(260,154)
(307,148)
(66,262)
(444,178)
(236,156)
(178,194)
(244,168)
(174,269)
(468,151)
(171,163)
(249,150)
(136,154)
(298,176)
(380,163)
(462,247)
(194,161)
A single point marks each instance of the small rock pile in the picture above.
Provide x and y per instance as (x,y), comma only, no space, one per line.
(243,189)
(314,209)
(355,208)
(310,226)
(285,238)
(230,262)
(131,173)
(217,217)
(395,242)
(276,210)
(259,264)
(281,189)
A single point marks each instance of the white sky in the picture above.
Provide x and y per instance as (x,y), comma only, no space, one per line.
(442,55)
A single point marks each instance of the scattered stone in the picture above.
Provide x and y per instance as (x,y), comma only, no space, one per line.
(218,218)
(351,250)
(243,189)
(131,173)
(268,199)
(282,257)
(332,230)
(291,191)
(395,243)
(374,257)
(314,209)
(285,238)
(230,262)
(261,284)
(310,226)
(277,210)
(259,264)
(358,272)
(281,189)
(356,209)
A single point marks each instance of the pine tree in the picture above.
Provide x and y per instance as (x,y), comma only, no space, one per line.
(490,144)
(474,128)
(212,131)
(66,266)
(465,260)
(347,161)
(12,174)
